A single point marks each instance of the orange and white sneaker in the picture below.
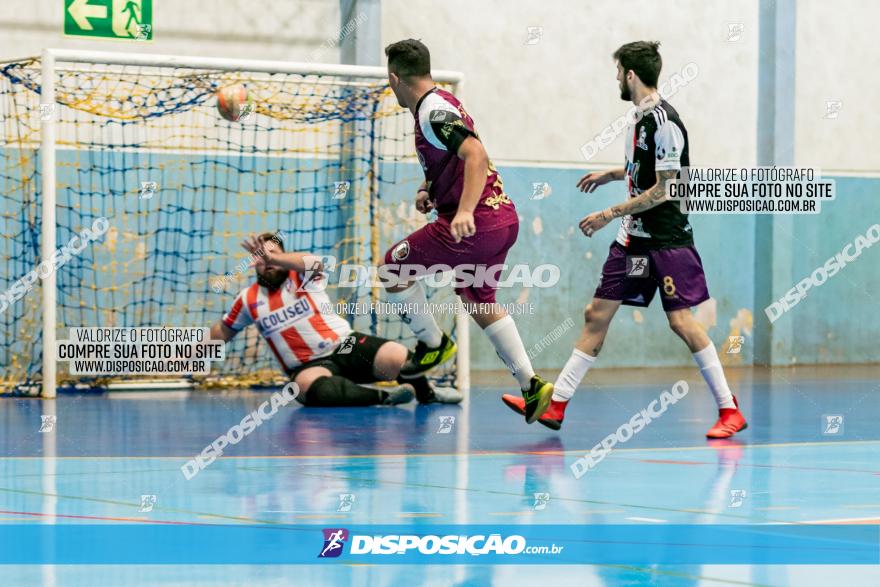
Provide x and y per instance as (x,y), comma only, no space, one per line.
(730,421)
(552,418)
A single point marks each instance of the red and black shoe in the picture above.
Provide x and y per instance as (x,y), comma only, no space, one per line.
(554,415)
(552,418)
(730,421)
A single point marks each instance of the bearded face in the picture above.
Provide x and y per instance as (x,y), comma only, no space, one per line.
(625,93)
(271,277)
(268,275)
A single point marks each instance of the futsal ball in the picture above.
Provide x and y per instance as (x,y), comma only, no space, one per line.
(234,103)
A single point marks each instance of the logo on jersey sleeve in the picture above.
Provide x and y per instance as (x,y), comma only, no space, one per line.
(401,251)
(442,111)
(672,156)
(670,144)
(446,122)
(334,540)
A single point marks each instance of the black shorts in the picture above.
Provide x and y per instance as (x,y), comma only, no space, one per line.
(353,359)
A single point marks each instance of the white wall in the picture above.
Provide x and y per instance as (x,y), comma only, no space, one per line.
(837,59)
(542,102)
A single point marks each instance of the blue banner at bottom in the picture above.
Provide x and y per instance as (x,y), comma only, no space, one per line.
(439,544)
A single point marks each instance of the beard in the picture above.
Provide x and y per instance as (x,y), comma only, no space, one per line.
(272,278)
(625,94)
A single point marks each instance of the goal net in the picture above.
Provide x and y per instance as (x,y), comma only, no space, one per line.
(326,157)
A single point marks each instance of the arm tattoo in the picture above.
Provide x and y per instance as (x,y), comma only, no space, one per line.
(650,198)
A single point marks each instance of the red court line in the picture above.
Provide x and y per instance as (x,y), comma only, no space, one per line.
(671,462)
(105,518)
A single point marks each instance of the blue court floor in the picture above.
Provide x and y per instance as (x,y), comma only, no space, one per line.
(795,463)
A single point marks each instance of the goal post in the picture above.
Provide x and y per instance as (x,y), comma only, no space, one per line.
(49,287)
(109,122)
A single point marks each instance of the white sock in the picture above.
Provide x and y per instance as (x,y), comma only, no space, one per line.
(713,373)
(505,338)
(571,375)
(419,320)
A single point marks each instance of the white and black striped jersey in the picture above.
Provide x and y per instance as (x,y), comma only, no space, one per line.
(656,141)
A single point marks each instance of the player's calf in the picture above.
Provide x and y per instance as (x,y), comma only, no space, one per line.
(388,361)
(336,391)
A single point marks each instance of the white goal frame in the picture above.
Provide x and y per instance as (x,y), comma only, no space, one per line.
(48,244)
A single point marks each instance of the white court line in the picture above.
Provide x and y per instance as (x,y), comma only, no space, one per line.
(871,519)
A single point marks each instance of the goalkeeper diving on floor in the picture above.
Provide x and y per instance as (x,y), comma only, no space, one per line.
(331,363)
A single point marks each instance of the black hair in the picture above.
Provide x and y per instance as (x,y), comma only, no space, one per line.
(409,58)
(643,58)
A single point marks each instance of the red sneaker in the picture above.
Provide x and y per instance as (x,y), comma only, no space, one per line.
(554,415)
(515,402)
(730,421)
(552,418)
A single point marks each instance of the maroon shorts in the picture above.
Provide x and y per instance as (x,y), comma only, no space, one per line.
(431,249)
(634,277)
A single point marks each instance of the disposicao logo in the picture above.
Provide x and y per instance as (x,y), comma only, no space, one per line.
(334,540)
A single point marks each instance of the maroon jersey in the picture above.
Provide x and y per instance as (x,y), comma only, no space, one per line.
(442,125)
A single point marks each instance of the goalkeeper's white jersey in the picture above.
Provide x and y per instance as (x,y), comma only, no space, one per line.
(298,322)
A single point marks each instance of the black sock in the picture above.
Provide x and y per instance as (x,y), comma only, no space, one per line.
(424,391)
(339,391)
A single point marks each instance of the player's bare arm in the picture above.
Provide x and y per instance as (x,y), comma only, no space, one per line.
(423,199)
(476,166)
(220,331)
(589,182)
(650,198)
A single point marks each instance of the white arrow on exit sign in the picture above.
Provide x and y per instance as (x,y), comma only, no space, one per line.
(81,11)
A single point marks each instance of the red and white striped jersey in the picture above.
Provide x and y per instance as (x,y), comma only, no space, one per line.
(298,325)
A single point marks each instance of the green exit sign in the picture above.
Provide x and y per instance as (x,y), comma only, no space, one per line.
(109,19)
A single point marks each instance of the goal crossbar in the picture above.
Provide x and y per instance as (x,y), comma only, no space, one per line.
(223,64)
